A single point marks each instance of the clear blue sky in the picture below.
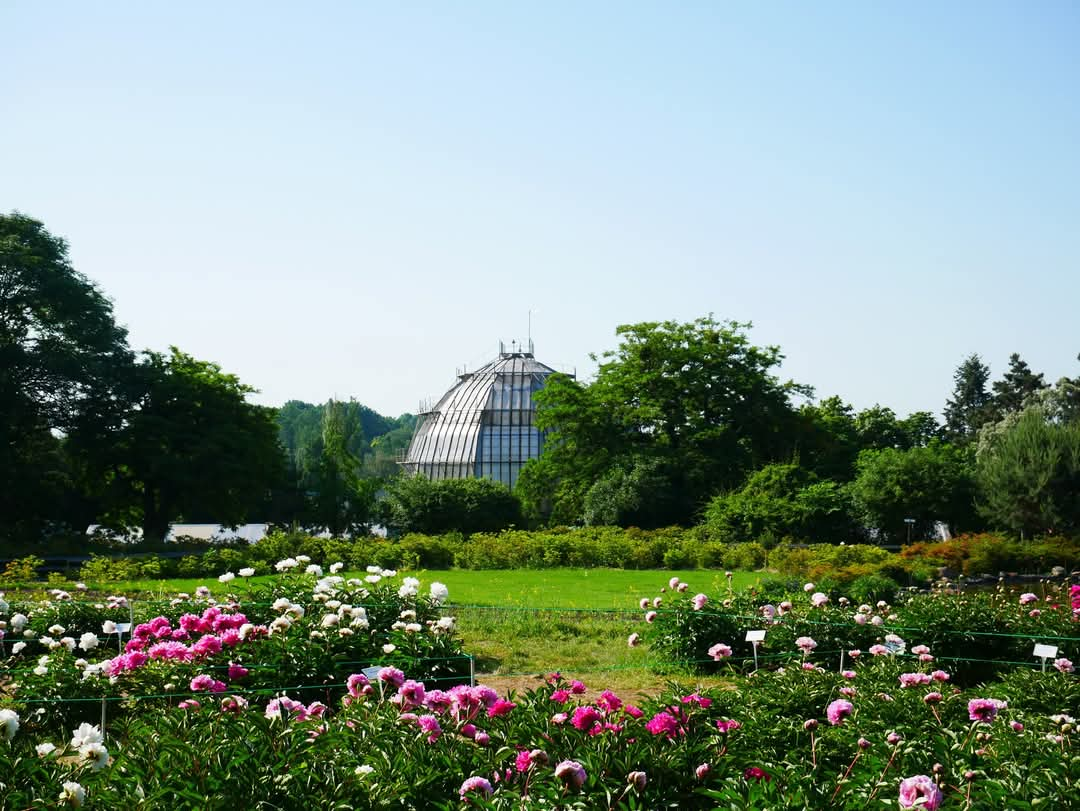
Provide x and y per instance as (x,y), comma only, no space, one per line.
(346,199)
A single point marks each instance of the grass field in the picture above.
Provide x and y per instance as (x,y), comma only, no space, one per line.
(593,589)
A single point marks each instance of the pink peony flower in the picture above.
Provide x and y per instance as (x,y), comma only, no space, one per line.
(644,603)
(475,785)
(571,773)
(939,675)
(920,791)
(839,710)
(985,709)
(1064,665)
(699,601)
(391,676)
(560,696)
(719,651)
(633,640)
(236,671)
(933,697)
(805,644)
(357,684)
(908,680)
(727,726)
(1028,597)
(500,707)
(430,725)
(702,771)
(650,616)
(609,702)
(577,687)
(819,599)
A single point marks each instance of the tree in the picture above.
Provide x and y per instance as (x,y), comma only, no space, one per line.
(1029,475)
(697,398)
(1017,385)
(418,504)
(344,501)
(969,407)
(782,501)
(63,364)
(829,440)
(193,448)
(928,484)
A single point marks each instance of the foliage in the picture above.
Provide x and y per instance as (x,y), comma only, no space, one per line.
(21,570)
(991,553)
(193,448)
(63,362)
(698,398)
(417,504)
(782,501)
(1029,476)
(928,484)
(970,405)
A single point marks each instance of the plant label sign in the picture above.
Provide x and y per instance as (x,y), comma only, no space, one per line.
(1045,651)
(372,673)
(755,636)
(123,627)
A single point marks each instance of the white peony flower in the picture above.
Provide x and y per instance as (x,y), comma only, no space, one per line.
(246,572)
(85,735)
(108,627)
(9,723)
(439,592)
(73,794)
(227,577)
(88,641)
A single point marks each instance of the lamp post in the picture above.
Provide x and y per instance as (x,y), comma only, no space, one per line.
(909,522)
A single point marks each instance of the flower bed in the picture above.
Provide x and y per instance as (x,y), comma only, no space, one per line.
(303,629)
(796,738)
(977,634)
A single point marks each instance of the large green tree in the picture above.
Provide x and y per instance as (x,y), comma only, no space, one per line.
(193,449)
(1016,386)
(928,484)
(970,406)
(1029,474)
(696,400)
(63,366)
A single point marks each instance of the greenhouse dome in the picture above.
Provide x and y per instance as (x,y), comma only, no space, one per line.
(483,427)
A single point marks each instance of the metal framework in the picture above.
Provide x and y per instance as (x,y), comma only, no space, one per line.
(483,427)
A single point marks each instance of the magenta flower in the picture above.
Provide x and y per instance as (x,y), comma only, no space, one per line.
(500,707)
(838,711)
(920,791)
(236,671)
(475,785)
(410,694)
(586,718)
(702,771)
(985,710)
(430,725)
(663,724)
(571,773)
(727,726)
(577,687)
(757,775)
(609,702)
(939,675)
(560,696)
(202,682)
(523,760)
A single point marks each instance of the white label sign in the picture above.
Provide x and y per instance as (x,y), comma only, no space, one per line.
(123,627)
(1045,651)
(372,673)
(755,636)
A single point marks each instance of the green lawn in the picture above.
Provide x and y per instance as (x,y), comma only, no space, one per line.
(574,588)
(592,589)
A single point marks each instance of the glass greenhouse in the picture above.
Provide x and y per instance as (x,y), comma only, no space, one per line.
(482,427)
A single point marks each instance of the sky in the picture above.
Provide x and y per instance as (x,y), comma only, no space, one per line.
(355,200)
